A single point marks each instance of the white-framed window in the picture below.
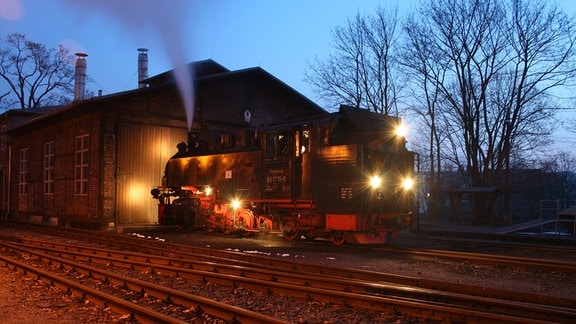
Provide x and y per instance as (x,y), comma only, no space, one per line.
(81,166)
(23,172)
(48,176)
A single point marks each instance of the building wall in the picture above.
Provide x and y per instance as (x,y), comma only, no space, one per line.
(143,151)
(63,203)
(7,120)
(147,128)
(226,98)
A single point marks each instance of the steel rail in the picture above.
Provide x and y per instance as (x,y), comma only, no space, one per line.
(163,248)
(520,262)
(510,261)
(491,309)
(495,242)
(187,253)
(121,306)
(211,271)
(213,308)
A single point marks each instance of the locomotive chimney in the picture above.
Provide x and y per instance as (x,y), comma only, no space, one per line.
(80,77)
(193,141)
(142,67)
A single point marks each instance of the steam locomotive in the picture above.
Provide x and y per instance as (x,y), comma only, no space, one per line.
(345,176)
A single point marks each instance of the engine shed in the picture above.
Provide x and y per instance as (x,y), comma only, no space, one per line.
(92,163)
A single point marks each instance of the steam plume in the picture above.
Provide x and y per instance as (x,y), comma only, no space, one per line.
(166,19)
(11,10)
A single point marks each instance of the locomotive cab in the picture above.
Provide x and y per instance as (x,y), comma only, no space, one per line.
(367,178)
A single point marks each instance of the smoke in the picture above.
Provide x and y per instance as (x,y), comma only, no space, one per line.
(166,19)
(11,10)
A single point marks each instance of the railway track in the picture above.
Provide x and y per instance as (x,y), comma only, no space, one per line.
(494,244)
(487,259)
(163,295)
(376,291)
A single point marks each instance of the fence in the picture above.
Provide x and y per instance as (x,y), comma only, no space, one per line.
(562,214)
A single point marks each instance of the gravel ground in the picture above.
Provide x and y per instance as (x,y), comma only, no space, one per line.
(24,300)
(550,283)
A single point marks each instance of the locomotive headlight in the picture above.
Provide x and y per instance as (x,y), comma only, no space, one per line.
(208,191)
(235,204)
(401,130)
(375,182)
(407,184)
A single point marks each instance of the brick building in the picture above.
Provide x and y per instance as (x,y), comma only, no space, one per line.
(93,162)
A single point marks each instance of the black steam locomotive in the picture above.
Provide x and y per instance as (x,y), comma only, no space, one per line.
(346,176)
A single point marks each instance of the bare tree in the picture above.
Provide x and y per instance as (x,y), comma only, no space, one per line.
(492,68)
(361,73)
(34,75)
(426,73)
(562,166)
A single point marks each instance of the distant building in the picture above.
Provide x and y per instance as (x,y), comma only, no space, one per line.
(529,188)
(92,163)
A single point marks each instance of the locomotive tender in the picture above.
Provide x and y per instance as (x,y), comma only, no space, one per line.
(346,176)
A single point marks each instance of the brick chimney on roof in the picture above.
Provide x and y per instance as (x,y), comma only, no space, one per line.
(80,77)
(142,67)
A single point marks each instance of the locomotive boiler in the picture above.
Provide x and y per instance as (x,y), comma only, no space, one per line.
(345,176)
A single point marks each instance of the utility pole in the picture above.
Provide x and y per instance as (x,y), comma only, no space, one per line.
(507,133)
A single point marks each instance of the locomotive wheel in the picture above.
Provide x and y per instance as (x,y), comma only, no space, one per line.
(227,222)
(337,237)
(263,226)
(210,225)
(264,229)
(227,229)
(289,227)
(247,219)
(309,236)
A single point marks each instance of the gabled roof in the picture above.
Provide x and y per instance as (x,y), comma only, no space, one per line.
(198,69)
(259,74)
(362,118)
(205,71)
(18,116)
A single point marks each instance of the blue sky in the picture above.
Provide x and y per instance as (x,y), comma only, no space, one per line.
(279,36)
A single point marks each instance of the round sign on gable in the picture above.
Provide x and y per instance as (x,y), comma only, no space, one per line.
(247,115)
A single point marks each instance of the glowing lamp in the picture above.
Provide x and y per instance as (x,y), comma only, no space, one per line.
(235,204)
(407,184)
(375,182)
(401,130)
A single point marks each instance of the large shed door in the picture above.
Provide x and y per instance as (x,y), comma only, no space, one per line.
(143,151)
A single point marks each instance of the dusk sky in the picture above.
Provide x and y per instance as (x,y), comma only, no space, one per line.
(282,37)
(279,36)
